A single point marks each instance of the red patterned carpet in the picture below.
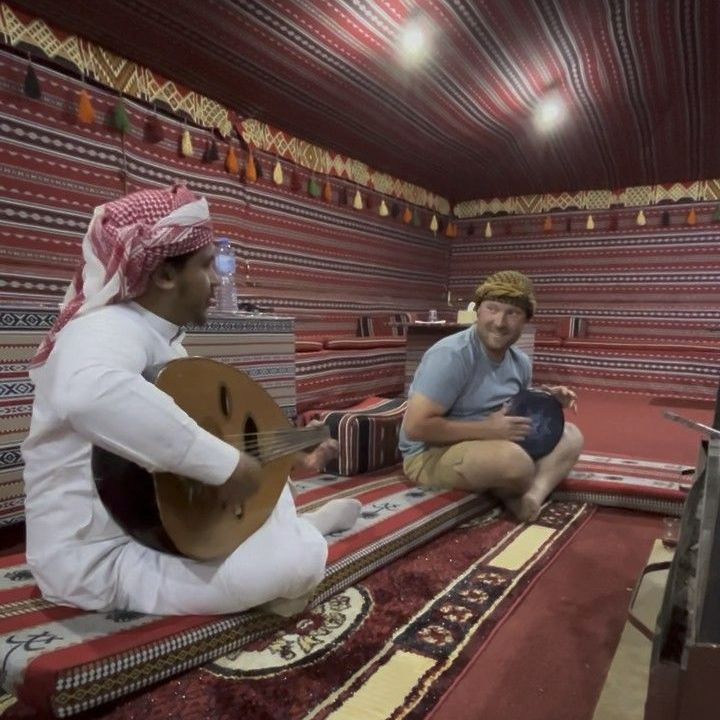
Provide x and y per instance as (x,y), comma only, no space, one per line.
(412,640)
(550,658)
(391,644)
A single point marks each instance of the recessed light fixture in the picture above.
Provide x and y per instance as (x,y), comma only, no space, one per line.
(414,40)
(550,112)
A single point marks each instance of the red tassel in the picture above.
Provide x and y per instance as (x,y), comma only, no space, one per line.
(295,184)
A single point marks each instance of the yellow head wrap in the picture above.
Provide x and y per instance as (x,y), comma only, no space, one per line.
(508,286)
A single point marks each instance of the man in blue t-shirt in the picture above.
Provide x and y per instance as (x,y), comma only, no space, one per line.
(456,432)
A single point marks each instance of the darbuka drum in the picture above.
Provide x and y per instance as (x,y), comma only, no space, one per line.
(546,415)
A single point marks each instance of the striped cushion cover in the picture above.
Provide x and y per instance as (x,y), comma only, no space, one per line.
(627,482)
(358,343)
(383,325)
(367,434)
(308,345)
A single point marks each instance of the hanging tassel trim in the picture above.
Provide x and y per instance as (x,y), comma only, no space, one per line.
(153,130)
(251,174)
(31,86)
(85,110)
(121,121)
(211,153)
(186,146)
(327,191)
(231,161)
(278,173)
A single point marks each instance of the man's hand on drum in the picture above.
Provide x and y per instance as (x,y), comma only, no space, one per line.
(501,426)
(566,396)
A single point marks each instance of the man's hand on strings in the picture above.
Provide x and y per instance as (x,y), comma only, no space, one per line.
(243,483)
(316,460)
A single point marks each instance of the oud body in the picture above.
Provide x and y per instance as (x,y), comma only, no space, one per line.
(181,516)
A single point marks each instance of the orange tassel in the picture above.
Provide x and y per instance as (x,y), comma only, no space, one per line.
(547,225)
(692,217)
(85,111)
(327,191)
(231,161)
(407,215)
(250,169)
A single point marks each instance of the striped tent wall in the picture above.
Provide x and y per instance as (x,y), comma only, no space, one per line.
(648,294)
(324,262)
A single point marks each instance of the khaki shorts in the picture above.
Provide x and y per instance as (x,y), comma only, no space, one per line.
(435,468)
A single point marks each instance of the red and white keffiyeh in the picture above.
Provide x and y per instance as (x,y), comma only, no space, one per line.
(125,241)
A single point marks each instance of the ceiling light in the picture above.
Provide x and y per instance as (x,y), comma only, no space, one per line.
(414,41)
(550,112)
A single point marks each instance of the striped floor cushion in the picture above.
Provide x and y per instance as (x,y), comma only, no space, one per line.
(626,482)
(63,661)
(367,433)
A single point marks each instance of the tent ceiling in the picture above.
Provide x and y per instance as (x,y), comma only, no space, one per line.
(640,79)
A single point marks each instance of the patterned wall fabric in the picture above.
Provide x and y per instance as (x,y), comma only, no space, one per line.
(323,261)
(262,347)
(653,281)
(649,295)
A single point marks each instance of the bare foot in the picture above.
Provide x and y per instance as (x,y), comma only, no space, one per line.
(335,515)
(287,607)
(315,461)
(525,508)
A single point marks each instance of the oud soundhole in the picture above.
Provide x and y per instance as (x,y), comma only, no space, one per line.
(225,401)
(251,438)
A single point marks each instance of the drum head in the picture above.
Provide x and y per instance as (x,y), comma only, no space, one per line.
(548,421)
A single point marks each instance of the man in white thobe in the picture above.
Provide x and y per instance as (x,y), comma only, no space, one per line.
(148,269)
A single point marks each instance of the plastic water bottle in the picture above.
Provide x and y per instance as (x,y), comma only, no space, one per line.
(225,293)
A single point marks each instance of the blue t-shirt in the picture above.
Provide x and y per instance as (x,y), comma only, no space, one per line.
(457,373)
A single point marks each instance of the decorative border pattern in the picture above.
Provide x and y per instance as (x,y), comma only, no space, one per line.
(271,140)
(637,196)
(138,82)
(111,70)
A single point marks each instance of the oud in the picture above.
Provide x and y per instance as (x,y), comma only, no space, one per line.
(181,516)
